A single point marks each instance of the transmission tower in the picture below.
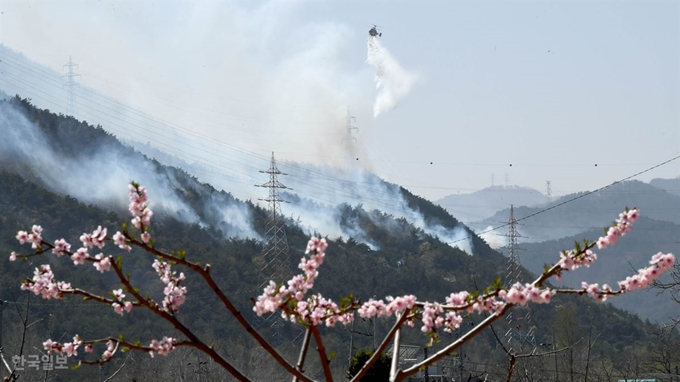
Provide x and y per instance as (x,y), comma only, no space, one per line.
(520,330)
(507,180)
(513,273)
(275,256)
(275,251)
(350,119)
(548,189)
(71,84)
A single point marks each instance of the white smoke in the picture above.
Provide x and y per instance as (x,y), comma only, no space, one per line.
(492,238)
(100,175)
(331,187)
(392,81)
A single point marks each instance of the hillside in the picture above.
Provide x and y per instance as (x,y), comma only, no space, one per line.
(60,179)
(485,203)
(588,212)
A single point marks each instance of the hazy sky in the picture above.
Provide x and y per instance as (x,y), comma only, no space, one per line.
(552,88)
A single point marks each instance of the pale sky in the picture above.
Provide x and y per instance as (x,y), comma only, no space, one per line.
(551,87)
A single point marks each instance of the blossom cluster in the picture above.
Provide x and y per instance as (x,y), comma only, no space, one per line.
(139,208)
(621,227)
(96,238)
(315,309)
(372,308)
(174,293)
(120,304)
(522,294)
(274,295)
(571,260)
(43,283)
(660,263)
(434,318)
(163,346)
(69,348)
(35,237)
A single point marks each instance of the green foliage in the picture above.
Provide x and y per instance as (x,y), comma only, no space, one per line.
(379,372)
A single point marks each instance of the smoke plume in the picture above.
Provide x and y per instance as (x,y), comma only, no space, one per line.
(99,174)
(392,81)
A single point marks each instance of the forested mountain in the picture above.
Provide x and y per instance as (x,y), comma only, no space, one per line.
(589,211)
(54,180)
(484,203)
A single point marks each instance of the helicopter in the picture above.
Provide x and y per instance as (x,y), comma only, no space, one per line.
(373,32)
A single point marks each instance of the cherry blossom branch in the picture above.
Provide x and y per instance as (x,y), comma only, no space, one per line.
(205,273)
(174,297)
(322,353)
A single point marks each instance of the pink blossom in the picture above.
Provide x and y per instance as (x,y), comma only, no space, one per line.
(79,256)
(13,256)
(146,237)
(117,308)
(104,263)
(43,283)
(621,227)
(98,237)
(22,236)
(61,246)
(163,346)
(34,238)
(118,294)
(457,298)
(119,240)
(51,346)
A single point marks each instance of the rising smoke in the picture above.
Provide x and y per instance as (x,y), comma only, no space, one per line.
(392,81)
(100,175)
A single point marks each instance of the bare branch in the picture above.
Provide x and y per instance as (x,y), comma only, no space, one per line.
(119,369)
(322,353)
(303,352)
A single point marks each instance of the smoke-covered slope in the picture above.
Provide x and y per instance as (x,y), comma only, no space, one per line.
(91,165)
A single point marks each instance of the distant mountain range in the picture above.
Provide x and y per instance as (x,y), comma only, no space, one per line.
(576,213)
(670,185)
(484,203)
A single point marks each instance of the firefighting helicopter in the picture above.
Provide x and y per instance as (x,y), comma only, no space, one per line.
(373,32)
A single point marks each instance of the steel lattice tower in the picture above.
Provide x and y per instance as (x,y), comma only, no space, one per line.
(350,119)
(513,274)
(275,256)
(519,318)
(275,251)
(71,84)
